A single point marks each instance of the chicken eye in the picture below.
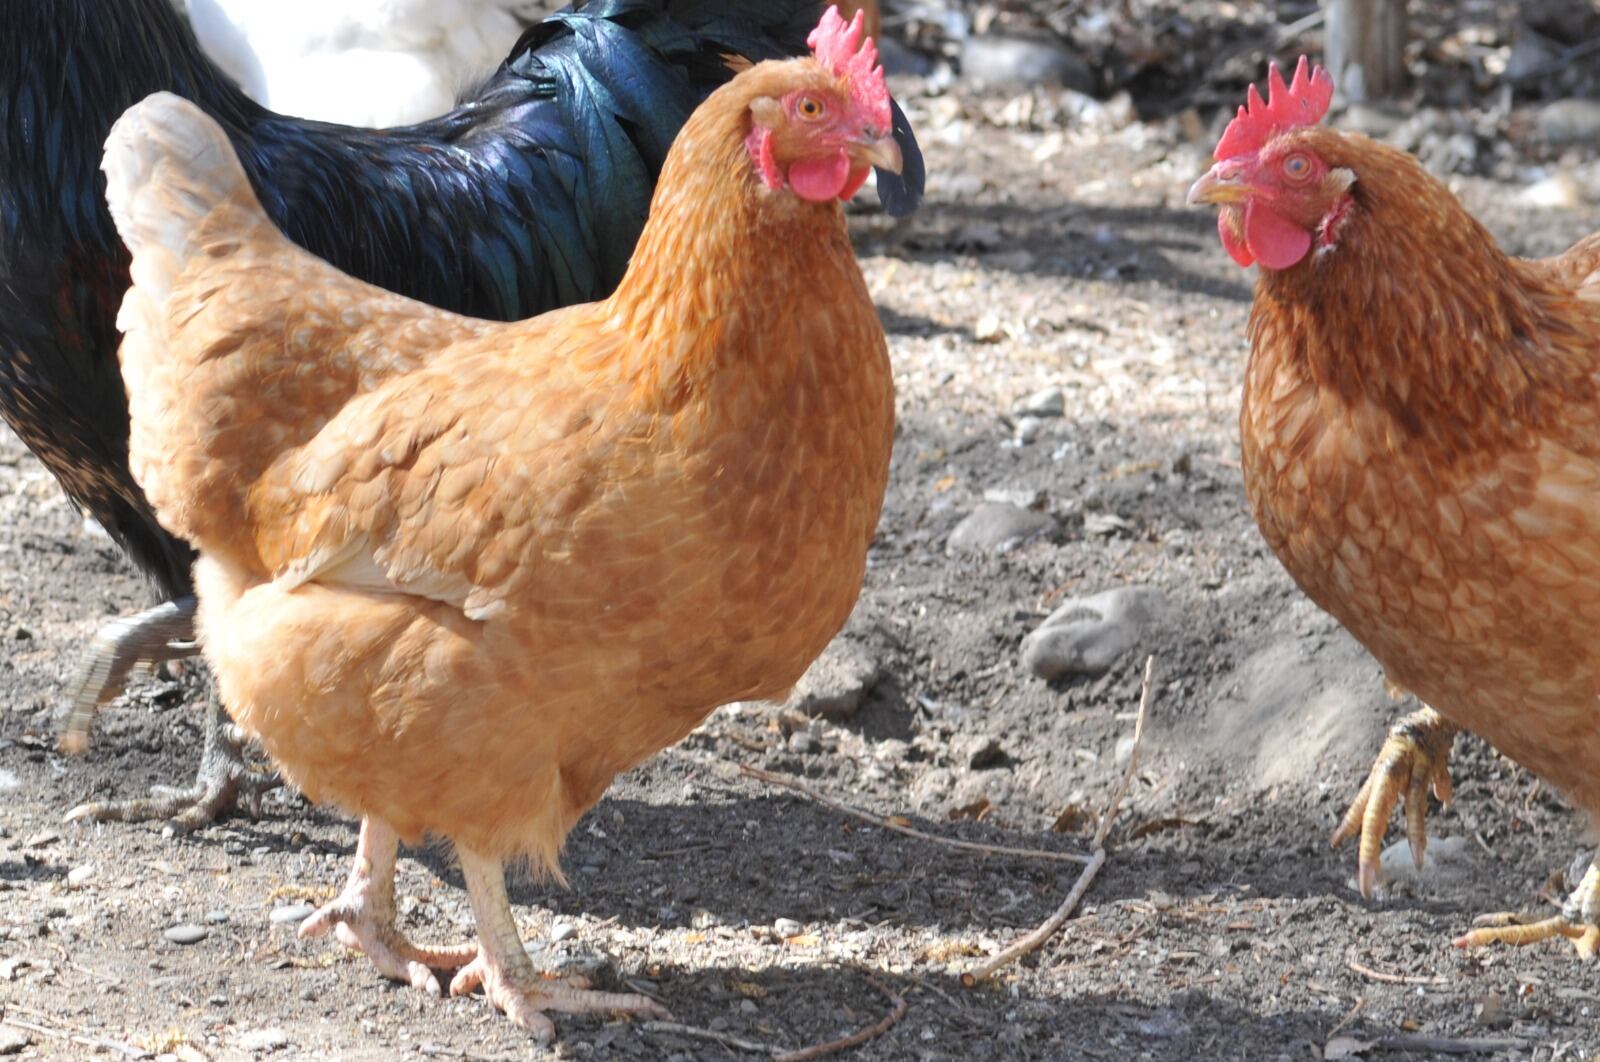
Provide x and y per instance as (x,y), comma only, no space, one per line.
(1297,167)
(810,108)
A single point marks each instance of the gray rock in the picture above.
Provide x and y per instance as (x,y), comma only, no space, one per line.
(186,933)
(264,1040)
(997,528)
(1050,402)
(802,743)
(838,683)
(787,927)
(1574,121)
(1029,428)
(1086,635)
(562,931)
(294,912)
(13,1040)
(1021,62)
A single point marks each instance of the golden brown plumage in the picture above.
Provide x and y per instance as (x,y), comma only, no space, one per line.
(1421,444)
(455,574)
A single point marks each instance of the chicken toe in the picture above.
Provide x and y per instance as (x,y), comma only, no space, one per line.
(506,974)
(1415,758)
(362,917)
(226,780)
(1579,922)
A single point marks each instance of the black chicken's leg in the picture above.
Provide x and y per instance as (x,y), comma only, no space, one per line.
(225,780)
(156,635)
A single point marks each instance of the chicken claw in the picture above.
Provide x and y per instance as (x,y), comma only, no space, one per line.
(506,974)
(1415,757)
(1579,922)
(362,917)
(225,781)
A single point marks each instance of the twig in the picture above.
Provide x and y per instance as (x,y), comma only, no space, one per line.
(858,1038)
(889,824)
(855,1039)
(1109,815)
(1394,979)
(1086,877)
(674,1028)
(1350,1016)
(87,1041)
(1046,930)
(1447,1045)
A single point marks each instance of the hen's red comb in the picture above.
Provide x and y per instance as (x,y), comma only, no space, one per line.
(840,47)
(1301,102)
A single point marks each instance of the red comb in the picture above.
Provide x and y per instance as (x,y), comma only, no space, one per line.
(1301,102)
(841,47)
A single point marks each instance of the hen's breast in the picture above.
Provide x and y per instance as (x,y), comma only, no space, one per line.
(1473,578)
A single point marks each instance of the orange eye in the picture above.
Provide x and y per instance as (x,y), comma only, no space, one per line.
(810,108)
(1297,167)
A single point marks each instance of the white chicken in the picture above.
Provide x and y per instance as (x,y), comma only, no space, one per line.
(357,62)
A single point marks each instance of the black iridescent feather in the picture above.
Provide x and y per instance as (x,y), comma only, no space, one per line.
(529,196)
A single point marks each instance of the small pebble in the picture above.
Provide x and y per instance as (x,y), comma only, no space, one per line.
(186,933)
(77,877)
(803,743)
(13,1041)
(562,931)
(1051,402)
(294,912)
(787,927)
(216,917)
(266,1039)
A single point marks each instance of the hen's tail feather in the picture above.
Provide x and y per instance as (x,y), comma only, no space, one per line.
(167,167)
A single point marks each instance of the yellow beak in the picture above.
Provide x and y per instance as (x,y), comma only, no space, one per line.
(882,152)
(1221,184)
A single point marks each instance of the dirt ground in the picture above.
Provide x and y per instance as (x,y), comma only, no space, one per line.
(1054,252)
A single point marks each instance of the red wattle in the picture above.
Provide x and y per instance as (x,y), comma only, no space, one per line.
(1228,222)
(820,180)
(1276,243)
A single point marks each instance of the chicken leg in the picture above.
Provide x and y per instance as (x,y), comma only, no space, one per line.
(1415,757)
(165,632)
(505,972)
(362,917)
(1579,922)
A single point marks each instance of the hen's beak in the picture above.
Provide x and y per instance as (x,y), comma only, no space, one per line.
(1222,184)
(881,152)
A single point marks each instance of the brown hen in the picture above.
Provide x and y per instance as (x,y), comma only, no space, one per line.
(1421,446)
(456,575)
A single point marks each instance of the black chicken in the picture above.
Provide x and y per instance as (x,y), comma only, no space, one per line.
(529,196)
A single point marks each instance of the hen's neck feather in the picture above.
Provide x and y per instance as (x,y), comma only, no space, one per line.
(724,262)
(1419,311)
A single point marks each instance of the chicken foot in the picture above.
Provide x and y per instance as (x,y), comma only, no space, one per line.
(1579,922)
(154,636)
(1415,757)
(362,917)
(506,974)
(225,780)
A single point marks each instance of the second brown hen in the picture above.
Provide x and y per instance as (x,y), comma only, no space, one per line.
(1421,446)
(456,574)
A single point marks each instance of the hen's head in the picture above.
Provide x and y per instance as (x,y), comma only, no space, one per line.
(827,119)
(1278,186)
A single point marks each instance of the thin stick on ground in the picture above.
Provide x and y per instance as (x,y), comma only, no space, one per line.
(872,1032)
(75,1038)
(844,1043)
(673,1028)
(890,824)
(1086,877)
(1394,979)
